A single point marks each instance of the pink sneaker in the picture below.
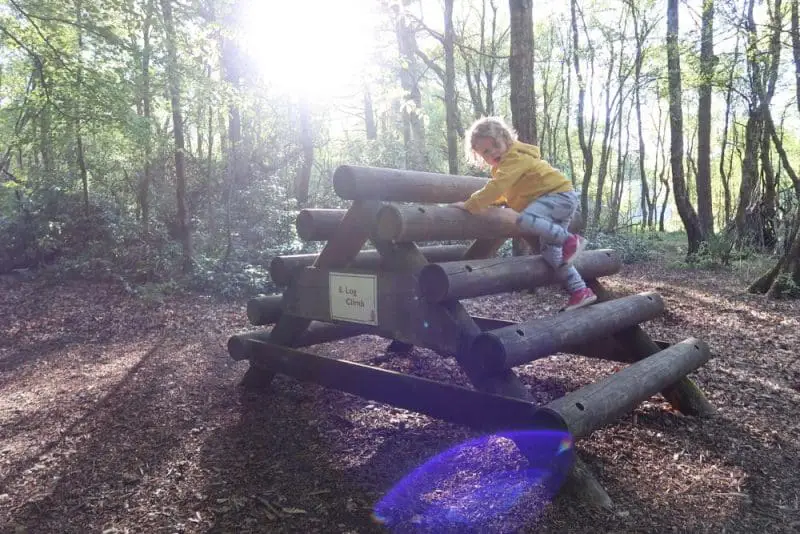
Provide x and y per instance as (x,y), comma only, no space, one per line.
(572,247)
(582,297)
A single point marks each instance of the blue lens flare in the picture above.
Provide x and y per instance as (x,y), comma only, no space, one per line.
(474,483)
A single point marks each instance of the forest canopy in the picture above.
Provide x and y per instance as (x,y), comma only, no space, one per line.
(161,142)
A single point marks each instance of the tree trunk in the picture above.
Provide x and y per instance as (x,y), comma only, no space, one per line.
(480,74)
(79,152)
(413,129)
(685,208)
(622,162)
(639,36)
(450,103)
(177,122)
(567,139)
(795,31)
(783,280)
(144,184)
(752,135)
(723,172)
(658,176)
(369,116)
(232,143)
(705,210)
(303,178)
(520,66)
(753,223)
(584,141)
(605,148)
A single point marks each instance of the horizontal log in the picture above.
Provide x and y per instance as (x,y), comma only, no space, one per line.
(283,268)
(443,401)
(317,332)
(467,279)
(490,323)
(264,309)
(373,183)
(441,223)
(318,224)
(601,403)
(510,346)
(684,395)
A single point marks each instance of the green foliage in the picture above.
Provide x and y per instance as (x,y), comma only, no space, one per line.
(786,287)
(632,248)
(241,280)
(717,251)
(237,226)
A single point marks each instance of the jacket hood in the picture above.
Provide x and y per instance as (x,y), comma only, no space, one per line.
(528,150)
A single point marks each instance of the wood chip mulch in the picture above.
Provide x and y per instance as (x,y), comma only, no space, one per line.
(122,415)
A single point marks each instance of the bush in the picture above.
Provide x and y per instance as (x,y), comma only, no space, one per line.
(241,280)
(717,251)
(632,248)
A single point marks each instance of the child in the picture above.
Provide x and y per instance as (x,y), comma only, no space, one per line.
(529,185)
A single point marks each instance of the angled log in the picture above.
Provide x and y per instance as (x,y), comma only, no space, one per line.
(372,183)
(484,248)
(510,346)
(441,223)
(446,328)
(685,396)
(283,268)
(603,402)
(317,332)
(318,224)
(580,480)
(463,406)
(350,235)
(264,309)
(473,278)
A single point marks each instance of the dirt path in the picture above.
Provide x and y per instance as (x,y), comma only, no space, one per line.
(118,415)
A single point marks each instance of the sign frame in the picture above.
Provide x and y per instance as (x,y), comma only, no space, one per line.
(353,297)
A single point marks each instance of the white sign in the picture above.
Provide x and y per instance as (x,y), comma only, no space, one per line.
(354,297)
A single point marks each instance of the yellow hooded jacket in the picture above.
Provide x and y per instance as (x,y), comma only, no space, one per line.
(521,177)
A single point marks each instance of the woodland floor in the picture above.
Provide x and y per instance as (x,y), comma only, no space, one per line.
(124,415)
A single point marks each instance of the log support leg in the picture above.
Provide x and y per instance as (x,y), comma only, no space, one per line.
(348,237)
(580,482)
(685,396)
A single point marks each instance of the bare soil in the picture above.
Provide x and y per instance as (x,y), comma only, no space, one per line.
(125,415)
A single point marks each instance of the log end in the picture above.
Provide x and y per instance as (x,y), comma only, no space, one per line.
(433,283)
(546,419)
(488,350)
(389,225)
(614,260)
(278,272)
(264,309)
(305,226)
(237,348)
(344,182)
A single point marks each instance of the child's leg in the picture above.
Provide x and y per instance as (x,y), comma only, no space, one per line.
(552,254)
(548,216)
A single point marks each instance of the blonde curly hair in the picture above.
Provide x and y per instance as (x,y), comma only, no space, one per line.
(493,128)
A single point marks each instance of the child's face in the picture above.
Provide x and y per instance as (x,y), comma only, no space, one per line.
(491,150)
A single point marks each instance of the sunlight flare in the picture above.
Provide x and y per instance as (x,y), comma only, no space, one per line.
(317,48)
